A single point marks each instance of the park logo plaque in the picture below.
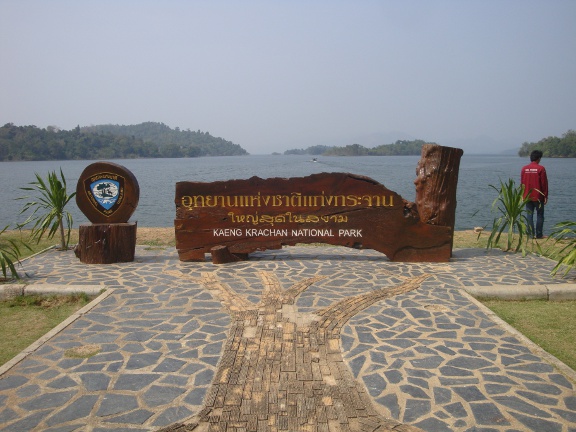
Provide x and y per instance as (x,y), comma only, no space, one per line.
(107,194)
(231,219)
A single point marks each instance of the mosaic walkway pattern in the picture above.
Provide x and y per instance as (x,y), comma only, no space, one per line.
(430,358)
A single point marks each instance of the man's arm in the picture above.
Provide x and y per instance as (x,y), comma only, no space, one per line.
(544,184)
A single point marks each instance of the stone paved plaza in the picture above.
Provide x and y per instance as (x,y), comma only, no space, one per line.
(298,339)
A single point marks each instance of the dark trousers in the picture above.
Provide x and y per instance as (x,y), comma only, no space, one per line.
(538,207)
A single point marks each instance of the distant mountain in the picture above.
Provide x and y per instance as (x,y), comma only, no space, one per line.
(172,142)
(147,140)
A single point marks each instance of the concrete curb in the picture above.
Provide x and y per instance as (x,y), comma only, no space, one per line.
(551,292)
(12,290)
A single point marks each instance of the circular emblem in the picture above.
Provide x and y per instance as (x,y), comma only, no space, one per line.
(107,193)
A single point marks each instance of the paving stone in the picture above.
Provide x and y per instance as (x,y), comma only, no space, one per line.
(95,381)
(518,404)
(134,417)
(560,380)
(116,403)
(375,383)
(80,408)
(568,416)
(450,371)
(172,415)
(27,423)
(470,363)
(431,362)
(544,388)
(48,400)
(134,382)
(414,392)
(537,424)
(487,414)
(433,424)
(170,365)
(570,403)
(10,382)
(139,361)
(196,396)
(470,393)
(7,415)
(62,383)
(161,395)
(415,409)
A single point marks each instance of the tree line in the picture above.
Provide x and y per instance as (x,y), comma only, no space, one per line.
(399,148)
(552,146)
(148,140)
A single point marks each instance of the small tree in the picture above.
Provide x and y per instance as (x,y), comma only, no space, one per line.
(9,255)
(564,236)
(511,205)
(52,198)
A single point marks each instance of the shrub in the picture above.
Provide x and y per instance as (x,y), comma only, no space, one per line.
(564,237)
(52,198)
(9,255)
(511,205)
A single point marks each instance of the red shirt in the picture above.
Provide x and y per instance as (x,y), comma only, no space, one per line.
(533,177)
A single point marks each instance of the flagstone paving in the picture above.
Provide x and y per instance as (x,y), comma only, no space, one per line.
(302,338)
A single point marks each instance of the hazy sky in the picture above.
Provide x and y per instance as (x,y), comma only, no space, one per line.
(274,75)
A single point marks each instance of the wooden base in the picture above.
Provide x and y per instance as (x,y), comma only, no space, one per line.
(106,243)
(222,255)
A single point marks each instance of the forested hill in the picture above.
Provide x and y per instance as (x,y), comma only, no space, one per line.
(173,142)
(553,147)
(399,148)
(22,143)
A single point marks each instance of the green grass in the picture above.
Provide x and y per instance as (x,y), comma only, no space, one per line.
(551,325)
(35,247)
(24,319)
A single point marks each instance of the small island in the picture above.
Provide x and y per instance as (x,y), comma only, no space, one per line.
(552,146)
(399,148)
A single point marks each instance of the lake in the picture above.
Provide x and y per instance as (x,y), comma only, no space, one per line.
(157,179)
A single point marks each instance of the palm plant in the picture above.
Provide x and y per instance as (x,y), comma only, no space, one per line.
(52,198)
(511,205)
(564,235)
(9,255)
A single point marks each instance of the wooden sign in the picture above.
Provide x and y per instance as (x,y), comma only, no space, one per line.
(107,193)
(242,216)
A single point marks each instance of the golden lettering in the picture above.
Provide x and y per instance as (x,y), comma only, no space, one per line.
(255,200)
(294,200)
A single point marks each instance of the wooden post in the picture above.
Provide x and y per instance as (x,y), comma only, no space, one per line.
(106,243)
(436,181)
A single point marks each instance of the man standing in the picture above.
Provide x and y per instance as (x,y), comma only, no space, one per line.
(535,181)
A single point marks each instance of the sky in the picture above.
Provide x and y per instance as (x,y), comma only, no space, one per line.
(481,75)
